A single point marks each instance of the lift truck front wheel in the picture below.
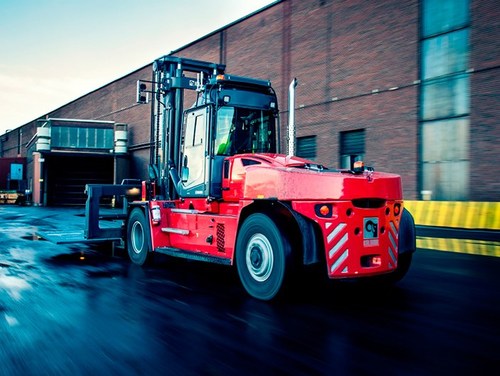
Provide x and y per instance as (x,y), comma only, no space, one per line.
(262,256)
(138,237)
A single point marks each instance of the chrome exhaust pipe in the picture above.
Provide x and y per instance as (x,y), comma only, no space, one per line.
(291,117)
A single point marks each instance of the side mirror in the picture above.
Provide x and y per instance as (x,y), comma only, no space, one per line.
(185,170)
(185,174)
(142,96)
(153,172)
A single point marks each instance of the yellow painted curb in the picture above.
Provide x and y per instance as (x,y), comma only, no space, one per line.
(459,214)
(469,246)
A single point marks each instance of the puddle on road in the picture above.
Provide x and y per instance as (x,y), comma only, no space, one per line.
(74,258)
(72,284)
(79,258)
(18,261)
(20,255)
(14,286)
(104,273)
(33,237)
(11,217)
(93,265)
(11,320)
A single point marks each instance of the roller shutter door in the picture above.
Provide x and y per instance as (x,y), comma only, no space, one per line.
(68,175)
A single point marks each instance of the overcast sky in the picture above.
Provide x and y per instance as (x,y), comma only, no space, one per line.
(54,51)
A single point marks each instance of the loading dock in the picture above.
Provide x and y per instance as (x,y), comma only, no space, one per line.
(67,154)
(67,176)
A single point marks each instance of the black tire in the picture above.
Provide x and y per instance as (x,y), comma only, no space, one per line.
(404,262)
(263,256)
(138,237)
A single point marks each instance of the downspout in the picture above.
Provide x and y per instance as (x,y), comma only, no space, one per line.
(291,117)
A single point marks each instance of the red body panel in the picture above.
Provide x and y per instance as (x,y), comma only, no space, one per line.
(359,239)
(196,227)
(280,178)
(350,248)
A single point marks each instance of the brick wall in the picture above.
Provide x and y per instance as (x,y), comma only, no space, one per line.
(117,102)
(13,143)
(356,62)
(342,49)
(5,169)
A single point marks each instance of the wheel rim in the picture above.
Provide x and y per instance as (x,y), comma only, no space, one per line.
(137,237)
(259,257)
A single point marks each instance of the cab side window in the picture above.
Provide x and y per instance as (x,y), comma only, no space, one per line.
(193,158)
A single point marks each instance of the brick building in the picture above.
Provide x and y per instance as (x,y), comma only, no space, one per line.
(410,87)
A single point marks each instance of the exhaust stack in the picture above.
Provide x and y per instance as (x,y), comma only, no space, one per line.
(291,117)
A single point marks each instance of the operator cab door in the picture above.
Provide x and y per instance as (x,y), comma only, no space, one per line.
(195,158)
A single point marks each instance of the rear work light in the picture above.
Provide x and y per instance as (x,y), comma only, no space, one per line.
(358,166)
(324,210)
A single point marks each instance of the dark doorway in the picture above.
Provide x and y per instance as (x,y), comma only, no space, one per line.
(67,176)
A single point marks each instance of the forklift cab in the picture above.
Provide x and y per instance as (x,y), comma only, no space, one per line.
(233,130)
(232,115)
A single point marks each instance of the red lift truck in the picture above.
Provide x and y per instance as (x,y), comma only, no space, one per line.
(220,191)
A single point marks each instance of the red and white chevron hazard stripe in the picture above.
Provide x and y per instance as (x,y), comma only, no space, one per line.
(337,242)
(393,244)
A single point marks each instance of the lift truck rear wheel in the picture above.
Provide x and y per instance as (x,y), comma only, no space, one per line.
(262,256)
(404,262)
(138,237)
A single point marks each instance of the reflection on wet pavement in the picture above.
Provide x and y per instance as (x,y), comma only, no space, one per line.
(75,309)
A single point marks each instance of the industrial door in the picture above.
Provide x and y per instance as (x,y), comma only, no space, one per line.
(67,176)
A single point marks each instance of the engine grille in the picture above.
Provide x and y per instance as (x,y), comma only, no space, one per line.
(221,243)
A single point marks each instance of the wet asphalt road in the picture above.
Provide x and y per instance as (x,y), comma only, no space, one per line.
(75,310)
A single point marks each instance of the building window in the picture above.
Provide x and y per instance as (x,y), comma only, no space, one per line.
(445,99)
(306,147)
(82,138)
(445,54)
(441,16)
(352,148)
(445,169)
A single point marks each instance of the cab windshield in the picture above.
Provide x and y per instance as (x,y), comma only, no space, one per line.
(242,130)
